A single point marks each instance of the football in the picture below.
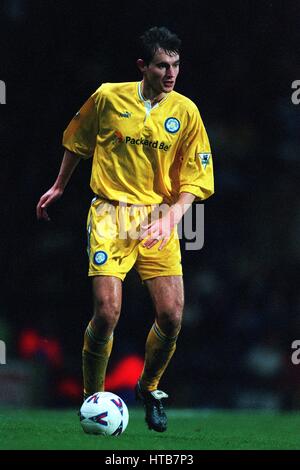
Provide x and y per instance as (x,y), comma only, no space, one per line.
(104,413)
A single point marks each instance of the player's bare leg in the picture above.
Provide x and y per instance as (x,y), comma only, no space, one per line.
(98,337)
(168,298)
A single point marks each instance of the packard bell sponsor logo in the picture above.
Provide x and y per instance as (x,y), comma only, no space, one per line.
(118,138)
(147,143)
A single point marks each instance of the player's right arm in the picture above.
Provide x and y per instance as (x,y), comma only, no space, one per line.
(68,165)
(79,140)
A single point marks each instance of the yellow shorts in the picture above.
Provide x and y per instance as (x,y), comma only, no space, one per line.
(113,244)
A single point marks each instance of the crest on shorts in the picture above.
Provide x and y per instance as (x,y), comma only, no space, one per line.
(172,125)
(100,257)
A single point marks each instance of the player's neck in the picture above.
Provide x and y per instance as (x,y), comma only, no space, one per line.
(150,94)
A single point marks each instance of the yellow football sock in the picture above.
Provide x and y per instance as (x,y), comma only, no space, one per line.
(159,350)
(95,355)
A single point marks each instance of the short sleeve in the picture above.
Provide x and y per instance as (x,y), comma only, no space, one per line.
(81,134)
(196,172)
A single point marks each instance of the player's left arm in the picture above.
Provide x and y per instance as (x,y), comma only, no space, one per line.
(161,229)
(196,181)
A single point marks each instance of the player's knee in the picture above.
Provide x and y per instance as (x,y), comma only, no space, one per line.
(170,317)
(106,311)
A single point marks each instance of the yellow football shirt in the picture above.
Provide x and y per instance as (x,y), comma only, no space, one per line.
(142,154)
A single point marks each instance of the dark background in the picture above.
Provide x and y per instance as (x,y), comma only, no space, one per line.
(242,312)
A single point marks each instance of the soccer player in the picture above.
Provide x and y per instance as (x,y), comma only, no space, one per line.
(150,149)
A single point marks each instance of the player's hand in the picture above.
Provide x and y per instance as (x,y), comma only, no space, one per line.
(158,231)
(46,200)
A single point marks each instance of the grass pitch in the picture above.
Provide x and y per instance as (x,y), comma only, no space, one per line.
(39,429)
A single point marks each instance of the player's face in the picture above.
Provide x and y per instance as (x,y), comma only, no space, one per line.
(162,71)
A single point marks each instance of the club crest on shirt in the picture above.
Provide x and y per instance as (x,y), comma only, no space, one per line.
(100,257)
(204,157)
(172,125)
